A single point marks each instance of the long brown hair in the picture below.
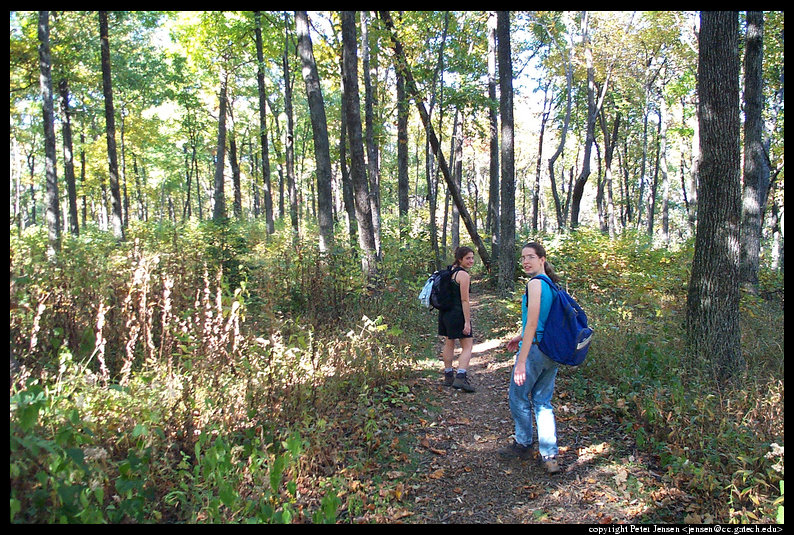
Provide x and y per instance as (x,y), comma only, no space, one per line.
(541,252)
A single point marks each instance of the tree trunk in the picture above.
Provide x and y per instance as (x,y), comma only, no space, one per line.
(655,182)
(402,153)
(68,158)
(292,187)
(610,142)
(370,102)
(260,80)
(347,186)
(113,166)
(358,170)
(756,172)
(219,209)
(592,111)
(563,134)
(507,226)
(52,211)
(713,328)
(322,152)
(536,190)
(401,63)
(235,165)
(492,219)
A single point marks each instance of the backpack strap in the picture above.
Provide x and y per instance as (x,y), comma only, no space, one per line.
(554,288)
(453,275)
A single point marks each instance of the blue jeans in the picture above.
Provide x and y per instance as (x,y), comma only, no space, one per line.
(535,394)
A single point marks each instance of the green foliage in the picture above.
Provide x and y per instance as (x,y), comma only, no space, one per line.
(719,443)
(223,379)
(166,404)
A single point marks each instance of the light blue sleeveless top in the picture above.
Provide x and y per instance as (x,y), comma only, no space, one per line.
(546,295)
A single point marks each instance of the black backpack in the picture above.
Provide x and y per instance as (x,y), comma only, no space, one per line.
(441,293)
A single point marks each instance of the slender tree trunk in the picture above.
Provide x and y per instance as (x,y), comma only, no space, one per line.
(358,170)
(756,172)
(655,182)
(322,151)
(610,142)
(219,209)
(563,135)
(402,152)
(260,80)
(235,165)
(370,102)
(347,186)
(68,158)
(401,63)
(536,190)
(713,328)
(115,192)
(492,220)
(507,227)
(578,187)
(52,211)
(292,187)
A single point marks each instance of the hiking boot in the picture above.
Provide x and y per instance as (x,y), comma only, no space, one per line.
(515,451)
(462,383)
(550,464)
(449,378)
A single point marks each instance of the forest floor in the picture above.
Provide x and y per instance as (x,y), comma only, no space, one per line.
(461,479)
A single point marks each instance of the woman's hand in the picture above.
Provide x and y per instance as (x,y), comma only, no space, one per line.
(512,345)
(467,327)
(520,371)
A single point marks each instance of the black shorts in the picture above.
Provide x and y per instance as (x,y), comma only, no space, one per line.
(450,324)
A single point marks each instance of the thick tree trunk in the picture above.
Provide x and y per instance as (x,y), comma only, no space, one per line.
(713,328)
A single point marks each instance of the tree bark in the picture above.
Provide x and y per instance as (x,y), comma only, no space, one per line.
(492,219)
(402,152)
(358,170)
(713,328)
(110,119)
(756,171)
(52,211)
(292,187)
(68,158)
(370,101)
(507,221)
(322,152)
(219,208)
(260,80)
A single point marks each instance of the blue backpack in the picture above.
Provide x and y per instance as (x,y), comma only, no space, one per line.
(566,336)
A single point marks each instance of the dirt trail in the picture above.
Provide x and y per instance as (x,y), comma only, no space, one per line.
(461,478)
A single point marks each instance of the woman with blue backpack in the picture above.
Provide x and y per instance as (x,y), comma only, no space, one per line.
(534,373)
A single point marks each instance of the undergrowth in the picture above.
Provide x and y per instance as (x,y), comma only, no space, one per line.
(723,444)
(214,373)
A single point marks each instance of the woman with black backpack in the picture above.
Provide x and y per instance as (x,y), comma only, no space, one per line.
(455,323)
